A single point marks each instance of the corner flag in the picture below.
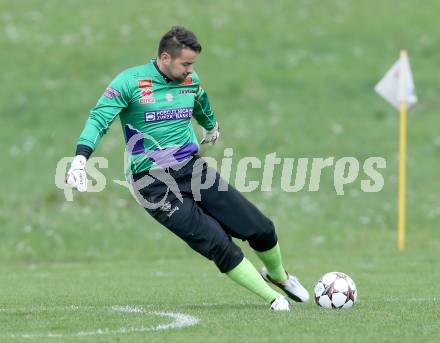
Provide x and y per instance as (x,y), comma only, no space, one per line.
(397,87)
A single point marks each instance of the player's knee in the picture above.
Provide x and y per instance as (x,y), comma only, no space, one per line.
(264,238)
(226,255)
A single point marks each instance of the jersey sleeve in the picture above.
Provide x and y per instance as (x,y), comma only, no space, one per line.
(203,113)
(110,104)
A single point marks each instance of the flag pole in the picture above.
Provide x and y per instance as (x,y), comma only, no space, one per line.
(402,154)
(402,176)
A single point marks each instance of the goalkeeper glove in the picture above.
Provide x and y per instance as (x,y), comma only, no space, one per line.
(76,176)
(211,136)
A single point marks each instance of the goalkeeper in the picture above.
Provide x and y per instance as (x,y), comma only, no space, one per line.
(155,103)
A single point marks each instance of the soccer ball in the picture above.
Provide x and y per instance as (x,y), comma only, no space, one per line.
(335,290)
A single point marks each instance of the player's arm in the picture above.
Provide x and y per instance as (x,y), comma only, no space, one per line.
(112,102)
(206,117)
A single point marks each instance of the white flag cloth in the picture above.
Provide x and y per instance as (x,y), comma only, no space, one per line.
(398,84)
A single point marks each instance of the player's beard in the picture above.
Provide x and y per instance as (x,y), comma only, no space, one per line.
(174,76)
(181,77)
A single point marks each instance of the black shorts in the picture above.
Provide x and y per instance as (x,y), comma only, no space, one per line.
(205,221)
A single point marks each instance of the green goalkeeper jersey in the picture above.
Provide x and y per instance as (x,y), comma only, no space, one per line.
(155,115)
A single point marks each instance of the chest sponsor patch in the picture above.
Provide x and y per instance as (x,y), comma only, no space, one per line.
(187,91)
(148,83)
(143,101)
(188,80)
(146,92)
(169,97)
(169,114)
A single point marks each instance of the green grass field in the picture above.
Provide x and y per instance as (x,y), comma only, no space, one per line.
(291,77)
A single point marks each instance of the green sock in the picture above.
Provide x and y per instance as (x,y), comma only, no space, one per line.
(247,276)
(272,260)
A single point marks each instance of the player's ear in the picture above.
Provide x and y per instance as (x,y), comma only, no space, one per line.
(165,58)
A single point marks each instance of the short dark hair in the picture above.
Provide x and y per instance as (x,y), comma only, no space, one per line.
(177,39)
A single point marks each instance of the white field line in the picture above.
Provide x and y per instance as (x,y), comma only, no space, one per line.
(179,320)
(414,299)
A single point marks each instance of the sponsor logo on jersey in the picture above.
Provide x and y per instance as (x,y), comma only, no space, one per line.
(170,114)
(146,96)
(148,83)
(188,80)
(187,91)
(150,117)
(146,100)
(110,92)
(146,92)
(169,97)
